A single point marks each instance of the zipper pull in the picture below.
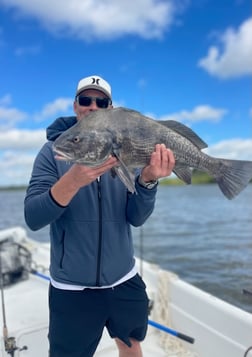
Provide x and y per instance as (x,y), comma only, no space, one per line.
(98,180)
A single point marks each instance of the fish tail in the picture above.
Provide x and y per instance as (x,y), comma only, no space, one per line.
(233,176)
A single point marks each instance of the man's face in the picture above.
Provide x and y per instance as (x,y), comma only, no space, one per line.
(83,110)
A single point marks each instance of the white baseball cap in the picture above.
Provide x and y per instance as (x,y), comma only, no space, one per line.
(94,82)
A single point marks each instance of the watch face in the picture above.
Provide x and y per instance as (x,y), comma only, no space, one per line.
(151,184)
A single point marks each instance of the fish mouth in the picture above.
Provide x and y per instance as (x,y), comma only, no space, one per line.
(60,155)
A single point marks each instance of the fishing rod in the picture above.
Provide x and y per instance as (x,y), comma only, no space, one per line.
(150,322)
(9,342)
(171,331)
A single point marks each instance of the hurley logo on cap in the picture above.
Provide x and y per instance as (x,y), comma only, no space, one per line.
(94,82)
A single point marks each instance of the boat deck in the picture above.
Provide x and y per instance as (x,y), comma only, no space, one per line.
(26,306)
(219,329)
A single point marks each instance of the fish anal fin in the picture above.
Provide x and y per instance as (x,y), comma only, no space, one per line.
(183,173)
(184,131)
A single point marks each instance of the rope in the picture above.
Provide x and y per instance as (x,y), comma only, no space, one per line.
(161,313)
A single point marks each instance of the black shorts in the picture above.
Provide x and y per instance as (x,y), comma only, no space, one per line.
(77,318)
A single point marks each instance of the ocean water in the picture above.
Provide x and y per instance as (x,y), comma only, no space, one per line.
(194,231)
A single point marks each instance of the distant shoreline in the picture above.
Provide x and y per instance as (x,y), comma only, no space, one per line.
(13,188)
(169,181)
(198,178)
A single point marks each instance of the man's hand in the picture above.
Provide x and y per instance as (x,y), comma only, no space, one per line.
(84,175)
(161,164)
(76,177)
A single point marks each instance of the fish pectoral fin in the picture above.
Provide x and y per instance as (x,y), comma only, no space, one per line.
(127,179)
(184,173)
(122,171)
(124,174)
(113,172)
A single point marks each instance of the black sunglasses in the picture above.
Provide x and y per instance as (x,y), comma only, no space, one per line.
(85,101)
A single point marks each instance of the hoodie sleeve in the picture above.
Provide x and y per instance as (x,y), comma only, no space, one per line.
(39,207)
(141,205)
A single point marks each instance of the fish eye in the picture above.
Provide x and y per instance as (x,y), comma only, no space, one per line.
(76,139)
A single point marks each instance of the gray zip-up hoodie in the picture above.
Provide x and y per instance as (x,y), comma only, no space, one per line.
(91,240)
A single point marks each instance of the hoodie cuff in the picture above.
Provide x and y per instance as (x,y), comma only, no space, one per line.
(53,199)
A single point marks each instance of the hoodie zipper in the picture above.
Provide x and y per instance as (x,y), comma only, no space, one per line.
(98,268)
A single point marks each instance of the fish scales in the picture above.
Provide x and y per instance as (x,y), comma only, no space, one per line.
(131,137)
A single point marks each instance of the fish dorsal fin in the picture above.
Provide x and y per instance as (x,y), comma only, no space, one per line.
(184,131)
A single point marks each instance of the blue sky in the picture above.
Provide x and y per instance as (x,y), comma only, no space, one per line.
(184,60)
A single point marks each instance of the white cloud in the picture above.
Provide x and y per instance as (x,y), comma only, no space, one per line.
(15,168)
(92,19)
(18,149)
(59,105)
(197,114)
(5,100)
(16,139)
(28,50)
(9,117)
(238,149)
(233,58)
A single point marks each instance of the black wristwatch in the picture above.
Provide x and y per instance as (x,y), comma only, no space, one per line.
(149,185)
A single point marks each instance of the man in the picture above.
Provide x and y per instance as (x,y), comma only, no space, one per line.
(94,281)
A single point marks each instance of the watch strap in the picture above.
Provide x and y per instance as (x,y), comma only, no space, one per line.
(149,185)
